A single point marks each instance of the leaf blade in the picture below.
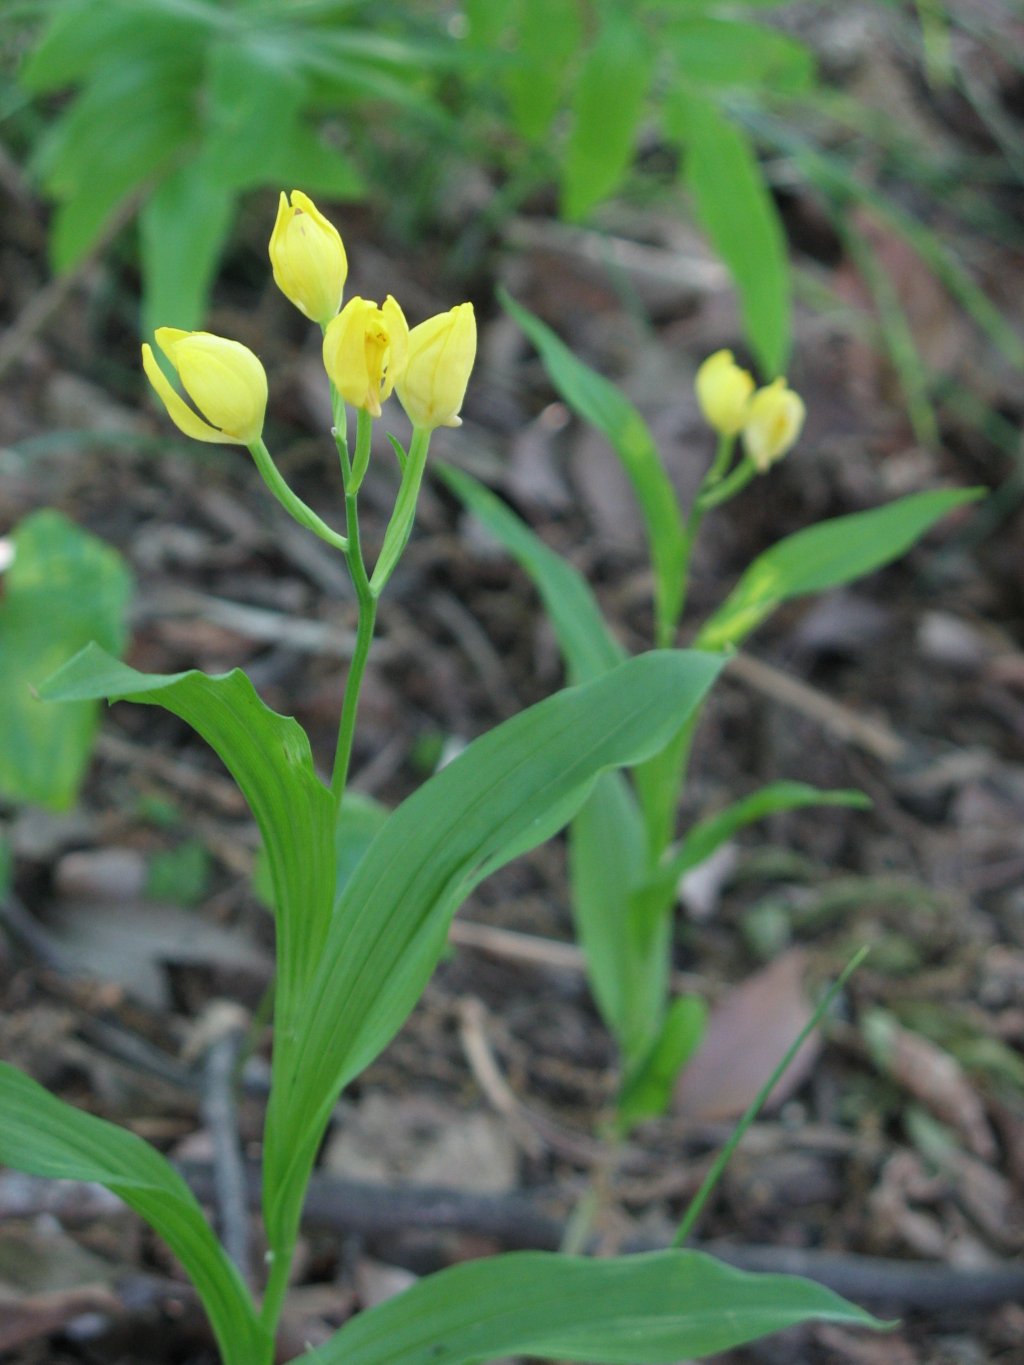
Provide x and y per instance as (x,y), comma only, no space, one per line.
(826,556)
(42,1135)
(650,1309)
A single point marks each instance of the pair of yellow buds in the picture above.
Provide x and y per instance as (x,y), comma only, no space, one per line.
(369,351)
(770,418)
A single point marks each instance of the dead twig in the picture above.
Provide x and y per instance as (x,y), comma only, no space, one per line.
(874,736)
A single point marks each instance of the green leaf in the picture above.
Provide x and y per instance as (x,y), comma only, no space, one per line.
(607,105)
(587,644)
(252,99)
(826,556)
(269,757)
(726,52)
(360,820)
(629,1310)
(549,33)
(648,1088)
(44,1136)
(63,589)
(627,962)
(708,835)
(183,227)
(119,133)
(599,402)
(738,213)
(506,793)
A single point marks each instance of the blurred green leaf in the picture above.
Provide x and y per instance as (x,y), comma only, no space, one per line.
(607,104)
(647,1090)
(729,53)
(826,556)
(182,228)
(180,875)
(63,589)
(627,959)
(549,34)
(739,215)
(655,1309)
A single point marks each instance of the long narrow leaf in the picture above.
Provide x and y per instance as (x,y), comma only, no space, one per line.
(596,400)
(826,556)
(44,1136)
(587,644)
(652,1309)
(708,835)
(510,790)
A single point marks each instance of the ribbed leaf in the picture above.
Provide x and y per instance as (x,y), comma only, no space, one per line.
(627,957)
(507,792)
(599,402)
(631,1310)
(269,757)
(548,34)
(826,556)
(588,646)
(63,589)
(44,1136)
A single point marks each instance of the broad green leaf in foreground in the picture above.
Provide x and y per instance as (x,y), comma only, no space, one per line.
(826,556)
(599,402)
(510,790)
(63,589)
(587,645)
(652,1309)
(269,757)
(44,1136)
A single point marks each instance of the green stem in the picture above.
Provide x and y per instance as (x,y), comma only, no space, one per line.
(720,463)
(290,501)
(367,602)
(728,487)
(396,537)
(280,1261)
(709,1182)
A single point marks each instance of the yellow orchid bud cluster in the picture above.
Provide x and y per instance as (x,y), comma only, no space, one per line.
(770,418)
(368,351)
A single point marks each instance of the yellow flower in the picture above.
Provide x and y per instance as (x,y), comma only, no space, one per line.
(309,261)
(223,378)
(365,350)
(441,355)
(773,423)
(723,392)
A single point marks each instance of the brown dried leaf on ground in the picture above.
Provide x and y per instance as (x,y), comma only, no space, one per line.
(932,1076)
(46,1279)
(747,1035)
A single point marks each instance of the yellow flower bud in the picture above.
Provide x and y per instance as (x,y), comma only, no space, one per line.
(365,349)
(723,392)
(773,423)
(441,355)
(309,261)
(223,378)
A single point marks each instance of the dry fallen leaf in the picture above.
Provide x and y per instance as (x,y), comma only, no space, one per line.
(748,1032)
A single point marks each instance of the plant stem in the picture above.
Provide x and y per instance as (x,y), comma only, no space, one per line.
(720,463)
(280,1261)
(290,501)
(596,1197)
(364,439)
(367,602)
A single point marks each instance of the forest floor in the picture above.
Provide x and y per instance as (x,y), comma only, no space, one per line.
(896,1147)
